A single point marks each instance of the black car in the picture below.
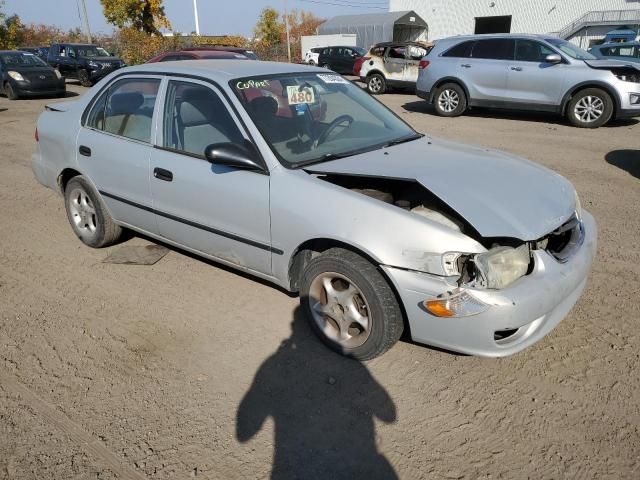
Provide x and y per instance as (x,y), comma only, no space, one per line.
(24,74)
(41,52)
(340,59)
(84,62)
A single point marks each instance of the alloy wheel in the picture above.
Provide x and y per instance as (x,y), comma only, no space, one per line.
(340,309)
(589,109)
(448,100)
(83,213)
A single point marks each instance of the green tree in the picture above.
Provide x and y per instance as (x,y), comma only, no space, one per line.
(12,30)
(144,15)
(269,29)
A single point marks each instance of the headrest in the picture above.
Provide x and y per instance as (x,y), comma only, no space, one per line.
(125,103)
(264,106)
(199,106)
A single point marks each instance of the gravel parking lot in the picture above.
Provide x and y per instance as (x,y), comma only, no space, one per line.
(186,369)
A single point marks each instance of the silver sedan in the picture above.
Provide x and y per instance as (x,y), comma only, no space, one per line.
(297,176)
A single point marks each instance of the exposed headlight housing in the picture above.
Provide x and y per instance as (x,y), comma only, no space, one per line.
(501,266)
(578,207)
(16,76)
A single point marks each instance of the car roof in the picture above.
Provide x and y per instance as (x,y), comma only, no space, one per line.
(536,36)
(399,44)
(222,70)
(203,53)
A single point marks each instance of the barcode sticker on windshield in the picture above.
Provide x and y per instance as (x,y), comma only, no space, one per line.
(297,95)
(332,78)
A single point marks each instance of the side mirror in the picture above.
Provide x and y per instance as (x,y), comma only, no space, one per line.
(553,58)
(241,157)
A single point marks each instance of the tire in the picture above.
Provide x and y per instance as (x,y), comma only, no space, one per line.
(590,108)
(88,215)
(375,322)
(83,77)
(376,84)
(450,100)
(312,63)
(11,93)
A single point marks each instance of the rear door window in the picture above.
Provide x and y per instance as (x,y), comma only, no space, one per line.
(126,109)
(494,49)
(397,52)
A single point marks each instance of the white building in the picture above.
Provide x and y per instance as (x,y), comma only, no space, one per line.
(581,21)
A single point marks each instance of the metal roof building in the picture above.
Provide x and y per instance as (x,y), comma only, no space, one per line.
(581,21)
(373,28)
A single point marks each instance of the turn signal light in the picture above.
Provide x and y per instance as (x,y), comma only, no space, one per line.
(458,303)
(423,64)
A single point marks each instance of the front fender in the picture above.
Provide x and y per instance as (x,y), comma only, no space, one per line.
(385,233)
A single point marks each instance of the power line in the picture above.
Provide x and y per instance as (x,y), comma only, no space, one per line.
(343,4)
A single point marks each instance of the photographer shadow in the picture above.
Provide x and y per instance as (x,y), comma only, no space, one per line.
(323,407)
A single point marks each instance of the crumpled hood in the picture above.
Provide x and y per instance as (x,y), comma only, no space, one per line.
(608,64)
(498,194)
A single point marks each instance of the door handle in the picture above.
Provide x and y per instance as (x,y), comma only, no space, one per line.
(516,69)
(86,151)
(466,65)
(162,174)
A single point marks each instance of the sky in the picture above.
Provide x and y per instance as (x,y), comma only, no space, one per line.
(217,17)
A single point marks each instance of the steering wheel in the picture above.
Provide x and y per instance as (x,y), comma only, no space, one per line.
(332,126)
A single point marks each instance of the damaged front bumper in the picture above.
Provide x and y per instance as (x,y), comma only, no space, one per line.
(517,317)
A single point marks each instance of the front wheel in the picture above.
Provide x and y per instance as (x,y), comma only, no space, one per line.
(88,215)
(450,100)
(590,108)
(83,77)
(350,305)
(10,91)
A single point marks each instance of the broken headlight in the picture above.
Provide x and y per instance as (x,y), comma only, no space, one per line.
(501,266)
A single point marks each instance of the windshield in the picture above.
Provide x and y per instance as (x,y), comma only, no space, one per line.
(570,49)
(21,59)
(313,117)
(92,51)
(361,51)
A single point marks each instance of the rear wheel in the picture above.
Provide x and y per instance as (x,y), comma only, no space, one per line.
(88,215)
(83,77)
(376,84)
(590,108)
(10,91)
(450,100)
(350,305)
(312,63)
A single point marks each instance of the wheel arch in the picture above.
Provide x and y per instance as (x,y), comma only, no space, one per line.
(444,80)
(316,246)
(375,71)
(590,84)
(64,177)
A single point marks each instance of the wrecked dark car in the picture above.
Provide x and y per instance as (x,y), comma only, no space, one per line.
(297,176)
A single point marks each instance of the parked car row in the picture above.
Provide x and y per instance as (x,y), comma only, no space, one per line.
(30,71)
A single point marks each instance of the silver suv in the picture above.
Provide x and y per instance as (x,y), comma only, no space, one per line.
(528,72)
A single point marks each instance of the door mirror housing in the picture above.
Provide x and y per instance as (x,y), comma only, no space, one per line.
(553,58)
(241,157)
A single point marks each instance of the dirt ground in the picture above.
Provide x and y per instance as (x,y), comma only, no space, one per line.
(185,369)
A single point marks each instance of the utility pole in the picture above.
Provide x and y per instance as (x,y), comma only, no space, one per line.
(195,13)
(286,26)
(82,8)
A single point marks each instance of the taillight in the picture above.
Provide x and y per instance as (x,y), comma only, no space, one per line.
(358,65)
(423,64)
(36,135)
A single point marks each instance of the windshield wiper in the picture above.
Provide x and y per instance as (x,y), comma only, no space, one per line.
(333,156)
(406,139)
